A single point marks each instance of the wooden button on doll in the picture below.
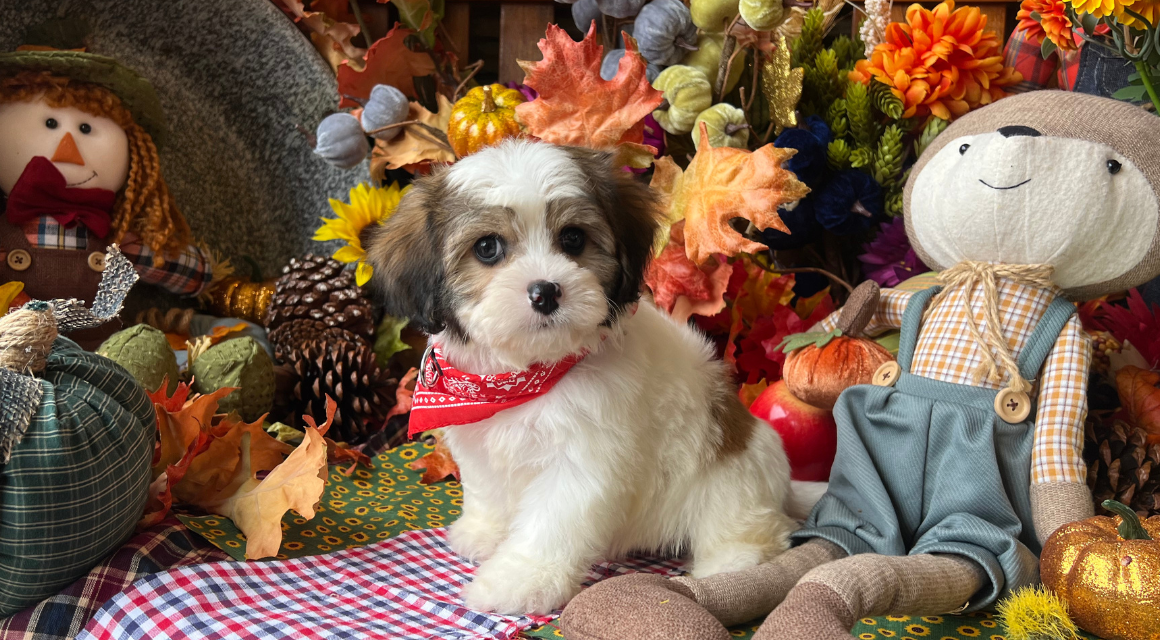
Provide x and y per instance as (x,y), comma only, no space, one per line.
(80,171)
(948,479)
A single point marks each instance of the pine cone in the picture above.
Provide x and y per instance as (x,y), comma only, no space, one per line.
(294,335)
(346,371)
(1122,466)
(318,288)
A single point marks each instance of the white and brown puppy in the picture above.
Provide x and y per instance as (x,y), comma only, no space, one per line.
(528,253)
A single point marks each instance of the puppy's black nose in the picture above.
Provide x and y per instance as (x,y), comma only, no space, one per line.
(544,296)
(1018,130)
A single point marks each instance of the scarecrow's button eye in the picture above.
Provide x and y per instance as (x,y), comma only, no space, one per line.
(1113,167)
(86,128)
(963,149)
(51,123)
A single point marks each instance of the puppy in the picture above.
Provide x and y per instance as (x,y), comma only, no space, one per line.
(527,254)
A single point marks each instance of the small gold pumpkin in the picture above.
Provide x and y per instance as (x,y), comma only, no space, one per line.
(1107,570)
(242,299)
(483,117)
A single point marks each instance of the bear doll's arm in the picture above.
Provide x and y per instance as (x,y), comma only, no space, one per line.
(891,306)
(1059,494)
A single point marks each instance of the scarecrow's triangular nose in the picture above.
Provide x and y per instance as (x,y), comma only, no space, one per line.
(67,151)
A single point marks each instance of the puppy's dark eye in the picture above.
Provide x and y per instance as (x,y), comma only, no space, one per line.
(489,249)
(963,149)
(1113,167)
(572,241)
(86,128)
(50,123)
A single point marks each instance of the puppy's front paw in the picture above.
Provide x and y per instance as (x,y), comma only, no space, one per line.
(513,584)
(475,537)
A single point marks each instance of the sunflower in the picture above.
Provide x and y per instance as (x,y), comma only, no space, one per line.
(368,205)
(941,62)
(1046,19)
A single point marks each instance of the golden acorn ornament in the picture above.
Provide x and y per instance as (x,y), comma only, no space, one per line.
(483,117)
(241,298)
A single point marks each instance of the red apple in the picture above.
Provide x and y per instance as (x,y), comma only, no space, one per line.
(808,433)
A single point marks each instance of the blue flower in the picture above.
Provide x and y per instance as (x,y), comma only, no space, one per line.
(851,202)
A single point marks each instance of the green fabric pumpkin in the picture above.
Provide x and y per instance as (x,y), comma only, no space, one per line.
(76,483)
(707,59)
(144,352)
(726,125)
(688,93)
(761,15)
(241,363)
(713,16)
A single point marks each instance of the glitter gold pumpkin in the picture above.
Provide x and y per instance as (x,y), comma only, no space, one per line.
(483,117)
(1107,570)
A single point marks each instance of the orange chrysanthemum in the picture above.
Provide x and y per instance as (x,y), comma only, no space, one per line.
(1052,22)
(939,62)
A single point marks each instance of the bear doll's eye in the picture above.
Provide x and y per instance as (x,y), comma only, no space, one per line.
(1113,167)
(963,149)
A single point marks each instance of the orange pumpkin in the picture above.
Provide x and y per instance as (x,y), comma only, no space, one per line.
(819,367)
(483,117)
(1107,570)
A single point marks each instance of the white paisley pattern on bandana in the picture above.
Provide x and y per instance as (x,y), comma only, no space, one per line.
(445,396)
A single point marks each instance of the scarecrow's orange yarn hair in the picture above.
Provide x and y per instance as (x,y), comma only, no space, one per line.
(145,205)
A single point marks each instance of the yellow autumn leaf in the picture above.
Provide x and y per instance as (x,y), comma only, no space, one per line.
(257,506)
(8,293)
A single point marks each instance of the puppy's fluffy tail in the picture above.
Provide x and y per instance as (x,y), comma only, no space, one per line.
(803,496)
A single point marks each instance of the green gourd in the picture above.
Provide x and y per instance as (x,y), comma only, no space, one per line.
(145,353)
(241,363)
(707,59)
(726,125)
(664,30)
(761,15)
(713,16)
(687,92)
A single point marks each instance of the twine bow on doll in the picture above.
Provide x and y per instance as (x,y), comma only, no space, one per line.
(26,340)
(996,353)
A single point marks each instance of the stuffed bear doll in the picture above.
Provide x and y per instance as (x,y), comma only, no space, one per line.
(965,455)
(80,171)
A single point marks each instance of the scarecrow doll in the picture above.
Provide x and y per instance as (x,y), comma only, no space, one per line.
(80,172)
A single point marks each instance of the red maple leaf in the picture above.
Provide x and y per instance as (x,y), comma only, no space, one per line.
(576,106)
(683,288)
(388,61)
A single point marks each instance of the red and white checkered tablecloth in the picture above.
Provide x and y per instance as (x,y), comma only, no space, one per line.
(399,589)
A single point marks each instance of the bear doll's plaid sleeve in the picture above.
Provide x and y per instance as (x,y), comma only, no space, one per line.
(891,306)
(1062,408)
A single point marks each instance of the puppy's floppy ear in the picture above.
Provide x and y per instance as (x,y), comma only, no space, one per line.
(633,214)
(406,253)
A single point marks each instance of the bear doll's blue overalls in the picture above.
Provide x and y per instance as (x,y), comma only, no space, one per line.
(927,466)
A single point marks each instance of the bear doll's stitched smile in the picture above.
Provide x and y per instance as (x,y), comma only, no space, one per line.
(1014,186)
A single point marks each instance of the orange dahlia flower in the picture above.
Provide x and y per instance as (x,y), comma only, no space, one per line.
(1052,24)
(939,62)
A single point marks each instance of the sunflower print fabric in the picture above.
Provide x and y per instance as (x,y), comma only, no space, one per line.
(386,500)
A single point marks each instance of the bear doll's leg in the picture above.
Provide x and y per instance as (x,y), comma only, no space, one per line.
(644,606)
(827,601)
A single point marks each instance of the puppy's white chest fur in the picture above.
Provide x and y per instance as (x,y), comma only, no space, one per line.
(640,446)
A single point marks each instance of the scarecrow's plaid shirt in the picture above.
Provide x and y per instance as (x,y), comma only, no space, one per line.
(947,352)
(1023,53)
(186,274)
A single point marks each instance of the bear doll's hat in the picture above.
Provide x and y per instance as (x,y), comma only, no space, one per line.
(136,93)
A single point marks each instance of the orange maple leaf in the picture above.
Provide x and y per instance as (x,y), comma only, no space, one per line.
(404,394)
(178,428)
(682,288)
(161,489)
(578,107)
(1141,399)
(212,470)
(438,464)
(722,183)
(336,453)
(417,144)
(388,61)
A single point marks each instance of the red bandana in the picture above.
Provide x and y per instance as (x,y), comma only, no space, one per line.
(42,191)
(454,397)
